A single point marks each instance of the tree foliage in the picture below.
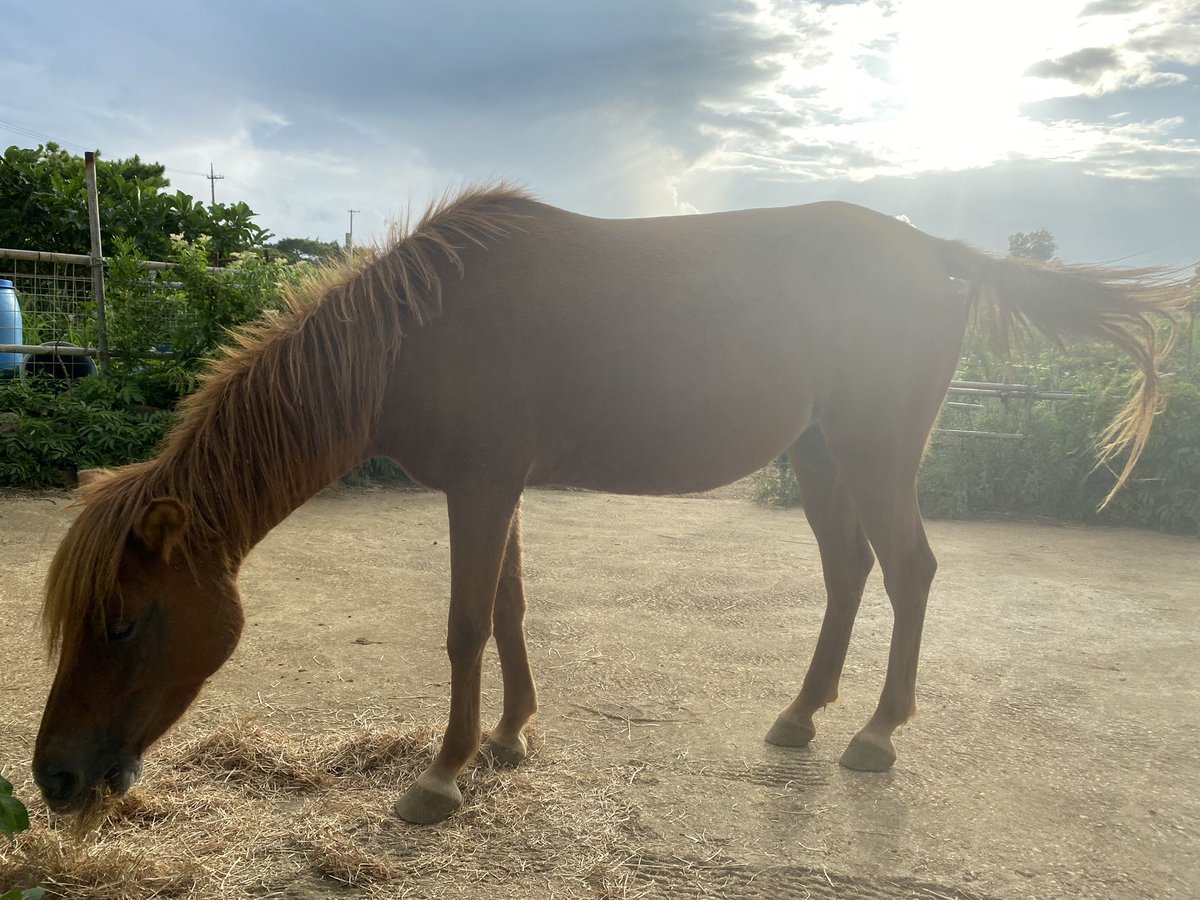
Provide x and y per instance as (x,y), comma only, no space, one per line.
(43,206)
(306,250)
(1038,244)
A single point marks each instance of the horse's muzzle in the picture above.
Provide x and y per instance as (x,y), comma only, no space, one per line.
(67,790)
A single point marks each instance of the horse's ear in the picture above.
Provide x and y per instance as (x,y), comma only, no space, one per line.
(162,526)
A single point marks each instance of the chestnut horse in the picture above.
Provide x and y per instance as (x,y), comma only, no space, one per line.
(504,343)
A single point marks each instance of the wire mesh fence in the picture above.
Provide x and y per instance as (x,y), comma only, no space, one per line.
(55,294)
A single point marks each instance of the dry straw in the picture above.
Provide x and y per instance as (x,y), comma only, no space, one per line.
(256,808)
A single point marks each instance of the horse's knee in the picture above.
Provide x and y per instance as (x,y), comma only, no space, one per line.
(466,640)
(864,560)
(910,575)
(510,601)
(925,565)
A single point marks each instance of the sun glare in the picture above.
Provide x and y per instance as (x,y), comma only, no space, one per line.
(922,84)
(957,70)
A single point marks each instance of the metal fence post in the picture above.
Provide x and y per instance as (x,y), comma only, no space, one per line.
(97,260)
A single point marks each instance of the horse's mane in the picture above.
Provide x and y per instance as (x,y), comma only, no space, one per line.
(291,405)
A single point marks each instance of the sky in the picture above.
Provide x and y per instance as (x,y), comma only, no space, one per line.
(975,120)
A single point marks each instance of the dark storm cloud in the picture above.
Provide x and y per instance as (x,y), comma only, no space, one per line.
(1081,67)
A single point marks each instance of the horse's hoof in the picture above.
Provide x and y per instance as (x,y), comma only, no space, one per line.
(507,752)
(790,733)
(429,800)
(869,753)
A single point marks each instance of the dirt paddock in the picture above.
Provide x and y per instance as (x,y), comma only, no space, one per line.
(1054,755)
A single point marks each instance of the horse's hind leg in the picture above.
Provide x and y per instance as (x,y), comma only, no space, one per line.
(846,560)
(481,515)
(881,476)
(506,742)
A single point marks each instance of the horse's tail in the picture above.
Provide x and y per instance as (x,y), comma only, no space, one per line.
(1093,302)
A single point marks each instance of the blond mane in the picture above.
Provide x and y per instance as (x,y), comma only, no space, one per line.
(288,409)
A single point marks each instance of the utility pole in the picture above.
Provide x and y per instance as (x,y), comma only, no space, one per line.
(350,233)
(212,183)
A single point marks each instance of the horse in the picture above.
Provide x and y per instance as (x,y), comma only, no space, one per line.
(502,343)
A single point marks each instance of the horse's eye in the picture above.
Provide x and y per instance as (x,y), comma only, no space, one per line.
(121,630)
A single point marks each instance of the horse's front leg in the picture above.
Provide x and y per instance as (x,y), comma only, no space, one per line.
(507,742)
(480,519)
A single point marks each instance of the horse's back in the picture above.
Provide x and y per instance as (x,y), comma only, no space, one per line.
(667,354)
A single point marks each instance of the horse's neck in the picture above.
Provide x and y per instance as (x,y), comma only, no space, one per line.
(249,461)
(236,510)
(284,417)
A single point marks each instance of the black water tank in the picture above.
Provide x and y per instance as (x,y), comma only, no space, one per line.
(53,365)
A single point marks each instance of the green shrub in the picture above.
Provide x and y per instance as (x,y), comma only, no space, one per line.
(46,436)
(188,309)
(14,818)
(1052,471)
(775,485)
(377,470)
(47,433)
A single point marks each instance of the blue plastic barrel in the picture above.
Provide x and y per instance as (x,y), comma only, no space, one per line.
(11,330)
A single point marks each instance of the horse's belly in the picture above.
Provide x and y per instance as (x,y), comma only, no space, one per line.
(668,448)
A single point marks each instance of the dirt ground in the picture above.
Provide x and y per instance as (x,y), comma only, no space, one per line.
(1054,754)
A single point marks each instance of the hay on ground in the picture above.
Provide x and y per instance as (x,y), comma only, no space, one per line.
(252,807)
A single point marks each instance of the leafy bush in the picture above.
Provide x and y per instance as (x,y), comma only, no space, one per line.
(46,436)
(377,470)
(14,818)
(189,309)
(1052,472)
(775,485)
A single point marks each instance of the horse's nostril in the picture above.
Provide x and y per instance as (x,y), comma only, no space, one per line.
(62,785)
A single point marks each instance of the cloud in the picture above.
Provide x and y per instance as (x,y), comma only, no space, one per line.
(619,107)
(1081,67)
(1113,7)
(387,99)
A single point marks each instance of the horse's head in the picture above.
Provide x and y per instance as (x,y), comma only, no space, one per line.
(141,616)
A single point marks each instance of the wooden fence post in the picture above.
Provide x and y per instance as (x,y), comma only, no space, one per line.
(97,259)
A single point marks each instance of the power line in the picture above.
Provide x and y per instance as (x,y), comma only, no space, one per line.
(245,186)
(40,137)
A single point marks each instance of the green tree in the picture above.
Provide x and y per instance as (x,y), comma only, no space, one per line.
(43,206)
(306,249)
(1038,244)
